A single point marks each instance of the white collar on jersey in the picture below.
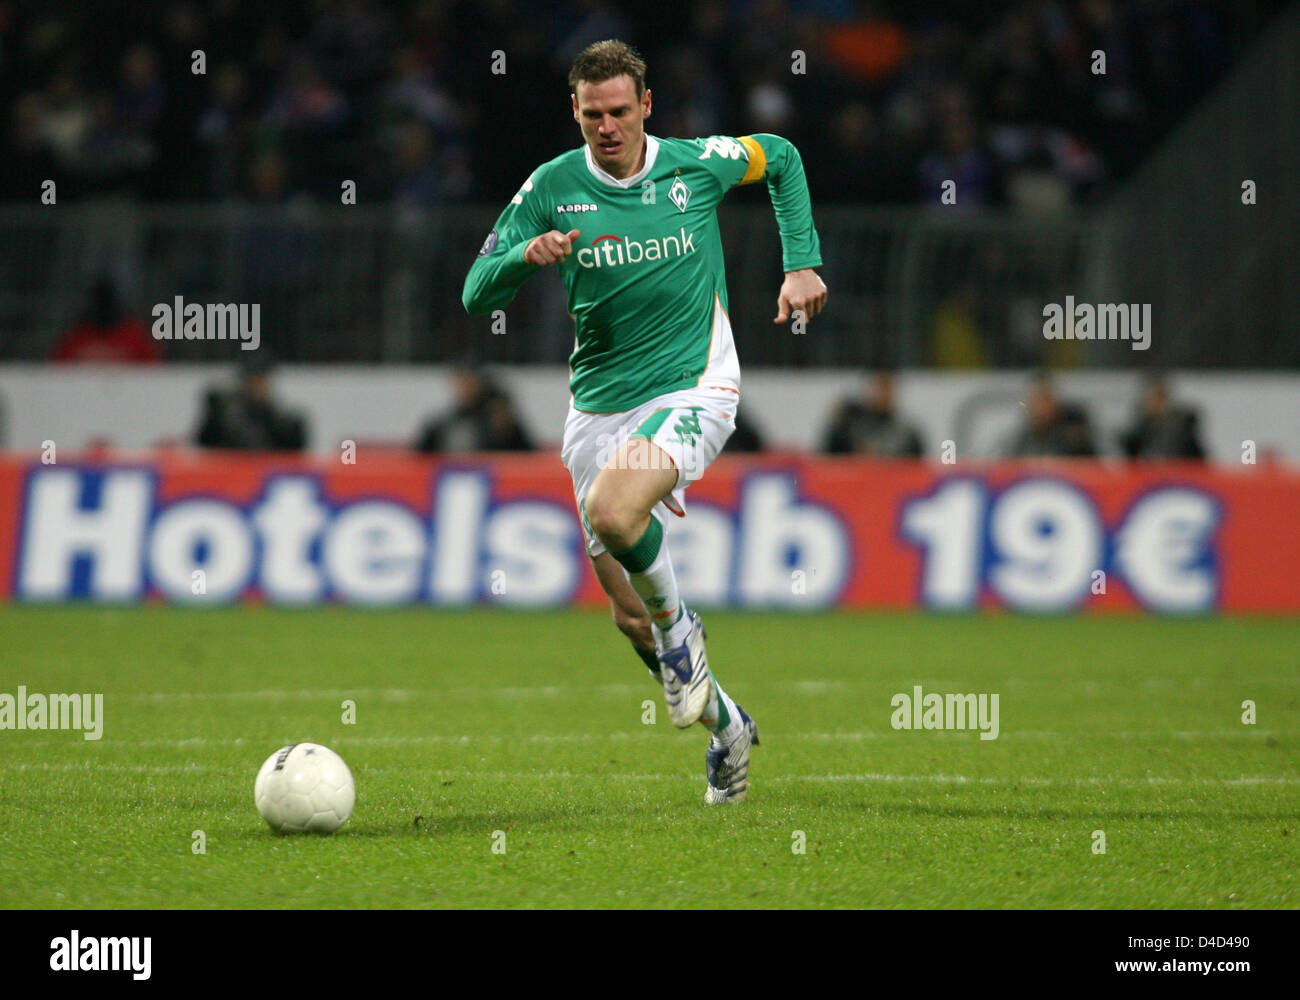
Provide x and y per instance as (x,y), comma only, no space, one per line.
(651,151)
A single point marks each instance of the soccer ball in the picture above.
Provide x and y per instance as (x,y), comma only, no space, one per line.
(304,787)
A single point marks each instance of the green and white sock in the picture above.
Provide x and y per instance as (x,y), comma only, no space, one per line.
(650,571)
(726,722)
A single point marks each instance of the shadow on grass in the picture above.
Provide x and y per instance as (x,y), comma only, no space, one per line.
(476,823)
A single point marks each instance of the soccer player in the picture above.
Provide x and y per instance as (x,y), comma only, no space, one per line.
(630,221)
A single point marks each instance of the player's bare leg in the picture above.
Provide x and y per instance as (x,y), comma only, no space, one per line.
(619,502)
(618,510)
(630,614)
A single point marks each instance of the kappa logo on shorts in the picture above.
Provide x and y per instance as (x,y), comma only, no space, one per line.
(688,426)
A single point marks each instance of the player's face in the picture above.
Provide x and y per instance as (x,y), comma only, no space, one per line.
(612,121)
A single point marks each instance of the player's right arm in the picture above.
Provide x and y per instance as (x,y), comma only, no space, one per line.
(520,243)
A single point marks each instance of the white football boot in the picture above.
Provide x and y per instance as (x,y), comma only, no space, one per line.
(684,670)
(727,765)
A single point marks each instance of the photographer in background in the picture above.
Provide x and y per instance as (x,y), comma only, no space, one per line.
(1053,427)
(248,418)
(869,425)
(106,333)
(483,418)
(1162,429)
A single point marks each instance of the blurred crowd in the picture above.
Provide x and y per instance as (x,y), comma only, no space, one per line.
(247,416)
(483,418)
(1161,428)
(888,100)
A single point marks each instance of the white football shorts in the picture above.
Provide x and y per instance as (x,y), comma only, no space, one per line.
(690,425)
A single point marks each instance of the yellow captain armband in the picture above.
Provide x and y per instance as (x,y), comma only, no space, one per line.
(757,160)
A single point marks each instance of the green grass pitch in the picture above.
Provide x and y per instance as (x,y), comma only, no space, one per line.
(472,722)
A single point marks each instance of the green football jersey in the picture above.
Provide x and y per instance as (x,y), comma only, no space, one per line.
(645,282)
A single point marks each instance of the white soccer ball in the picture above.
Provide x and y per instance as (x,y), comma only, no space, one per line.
(304,787)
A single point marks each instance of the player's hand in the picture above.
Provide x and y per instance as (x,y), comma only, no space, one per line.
(802,290)
(550,248)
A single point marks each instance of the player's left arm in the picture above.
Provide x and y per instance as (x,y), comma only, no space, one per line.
(777,161)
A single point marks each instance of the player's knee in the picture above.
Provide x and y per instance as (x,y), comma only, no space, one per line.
(610,518)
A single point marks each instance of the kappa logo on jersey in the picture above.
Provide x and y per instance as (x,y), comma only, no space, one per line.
(679,194)
(575,208)
(612,251)
(726,148)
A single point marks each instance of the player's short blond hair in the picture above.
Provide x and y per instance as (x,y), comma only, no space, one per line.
(601,61)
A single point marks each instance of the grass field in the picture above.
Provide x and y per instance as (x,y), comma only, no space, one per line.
(531,723)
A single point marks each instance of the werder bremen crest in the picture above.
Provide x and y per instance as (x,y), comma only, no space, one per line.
(679,194)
